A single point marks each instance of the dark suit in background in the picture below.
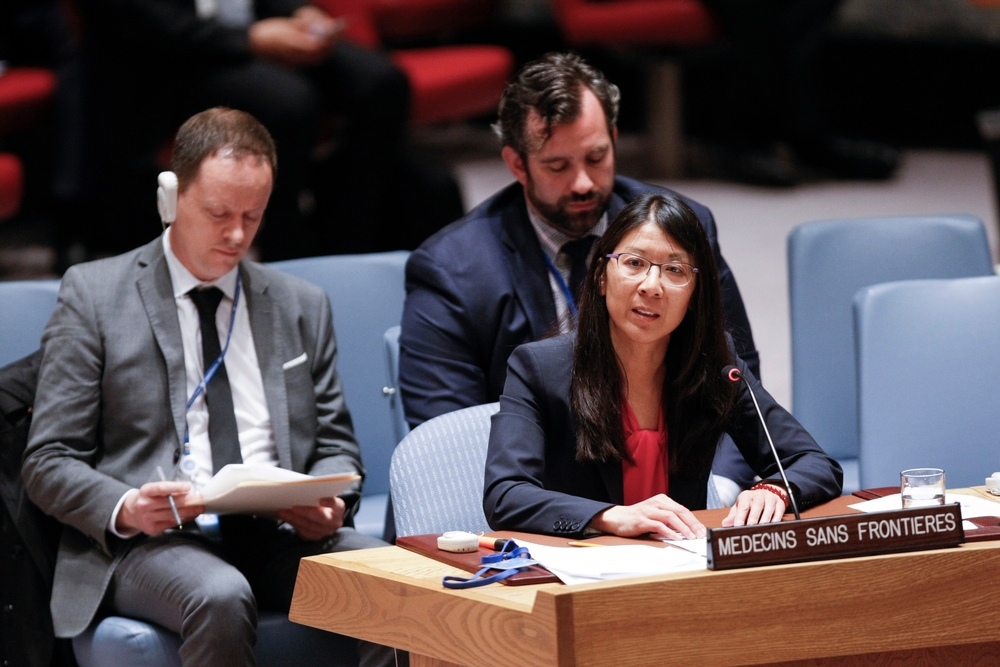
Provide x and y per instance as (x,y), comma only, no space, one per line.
(534,483)
(30,538)
(110,408)
(480,287)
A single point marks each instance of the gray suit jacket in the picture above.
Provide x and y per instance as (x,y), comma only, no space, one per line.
(111,397)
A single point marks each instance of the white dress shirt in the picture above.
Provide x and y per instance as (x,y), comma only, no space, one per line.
(253,420)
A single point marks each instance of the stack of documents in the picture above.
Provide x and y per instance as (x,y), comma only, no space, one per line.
(576,565)
(240,488)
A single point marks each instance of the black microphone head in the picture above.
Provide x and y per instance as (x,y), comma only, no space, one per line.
(732,374)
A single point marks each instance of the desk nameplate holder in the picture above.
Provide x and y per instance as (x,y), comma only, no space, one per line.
(843,536)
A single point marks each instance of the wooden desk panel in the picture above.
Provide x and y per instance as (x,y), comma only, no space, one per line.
(814,612)
(394,597)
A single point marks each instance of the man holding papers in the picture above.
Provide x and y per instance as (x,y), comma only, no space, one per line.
(182,356)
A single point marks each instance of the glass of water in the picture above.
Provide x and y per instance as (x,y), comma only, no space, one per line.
(922,487)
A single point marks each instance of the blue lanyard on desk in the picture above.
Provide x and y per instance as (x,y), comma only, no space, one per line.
(570,301)
(188,464)
(509,559)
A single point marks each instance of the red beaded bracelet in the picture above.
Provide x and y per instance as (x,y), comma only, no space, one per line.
(778,491)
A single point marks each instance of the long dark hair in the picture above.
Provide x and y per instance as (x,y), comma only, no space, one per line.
(696,399)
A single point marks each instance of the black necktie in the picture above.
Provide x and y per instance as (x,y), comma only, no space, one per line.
(222,432)
(577,251)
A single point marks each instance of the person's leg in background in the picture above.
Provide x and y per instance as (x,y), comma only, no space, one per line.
(772,94)
(129,119)
(376,192)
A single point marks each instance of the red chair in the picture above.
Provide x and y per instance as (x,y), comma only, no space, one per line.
(645,23)
(675,23)
(453,83)
(11,185)
(24,94)
(414,19)
(448,83)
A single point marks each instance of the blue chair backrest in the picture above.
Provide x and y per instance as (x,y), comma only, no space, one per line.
(437,473)
(928,366)
(391,347)
(25,308)
(827,263)
(366,293)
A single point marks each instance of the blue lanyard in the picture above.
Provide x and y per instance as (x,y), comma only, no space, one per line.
(210,373)
(570,301)
(491,562)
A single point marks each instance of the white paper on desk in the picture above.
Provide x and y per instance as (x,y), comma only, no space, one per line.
(240,488)
(577,565)
(697,546)
(972,506)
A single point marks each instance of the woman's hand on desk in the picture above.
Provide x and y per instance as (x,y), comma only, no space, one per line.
(316,522)
(753,507)
(658,515)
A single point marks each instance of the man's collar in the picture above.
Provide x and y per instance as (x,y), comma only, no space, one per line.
(552,238)
(184,281)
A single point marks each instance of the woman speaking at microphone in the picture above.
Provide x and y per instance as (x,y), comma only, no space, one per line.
(614,429)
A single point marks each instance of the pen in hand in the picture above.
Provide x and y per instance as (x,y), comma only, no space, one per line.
(173,505)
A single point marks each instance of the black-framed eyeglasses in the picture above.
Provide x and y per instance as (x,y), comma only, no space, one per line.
(634,267)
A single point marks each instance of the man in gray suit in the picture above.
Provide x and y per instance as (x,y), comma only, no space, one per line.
(128,346)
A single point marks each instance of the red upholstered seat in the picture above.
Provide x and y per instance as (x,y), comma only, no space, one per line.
(448,83)
(677,23)
(24,93)
(407,19)
(452,83)
(11,183)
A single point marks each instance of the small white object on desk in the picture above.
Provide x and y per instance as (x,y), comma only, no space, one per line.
(458,542)
(993,484)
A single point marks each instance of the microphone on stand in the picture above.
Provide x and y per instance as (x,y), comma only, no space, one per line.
(733,374)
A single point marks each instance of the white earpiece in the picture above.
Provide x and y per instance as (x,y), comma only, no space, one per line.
(166,197)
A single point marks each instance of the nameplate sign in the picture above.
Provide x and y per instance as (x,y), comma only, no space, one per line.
(843,536)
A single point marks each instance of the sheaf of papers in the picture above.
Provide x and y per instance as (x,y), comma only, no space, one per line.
(260,489)
(972,506)
(580,565)
(698,546)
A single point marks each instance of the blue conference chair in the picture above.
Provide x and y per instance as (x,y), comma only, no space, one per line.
(390,344)
(366,293)
(437,473)
(26,306)
(929,379)
(827,263)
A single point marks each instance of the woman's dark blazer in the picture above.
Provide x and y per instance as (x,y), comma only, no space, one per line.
(534,483)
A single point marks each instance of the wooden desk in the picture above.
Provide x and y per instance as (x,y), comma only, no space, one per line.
(805,614)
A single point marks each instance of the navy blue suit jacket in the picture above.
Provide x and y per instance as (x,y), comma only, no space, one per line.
(535,484)
(480,287)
